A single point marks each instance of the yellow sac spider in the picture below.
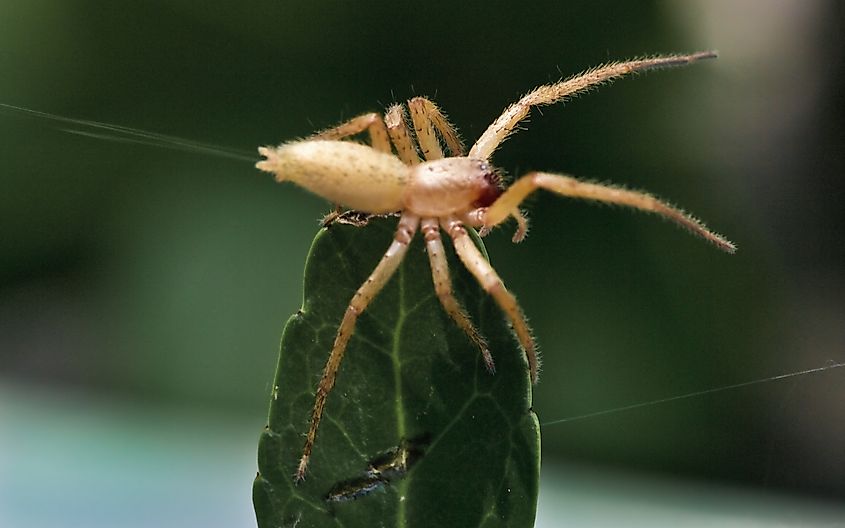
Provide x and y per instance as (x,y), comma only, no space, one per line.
(446,193)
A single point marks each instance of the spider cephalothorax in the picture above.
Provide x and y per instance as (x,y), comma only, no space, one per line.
(436,193)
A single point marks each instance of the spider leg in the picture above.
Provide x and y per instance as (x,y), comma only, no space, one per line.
(443,287)
(426,117)
(492,284)
(475,218)
(372,123)
(506,204)
(397,127)
(374,283)
(426,137)
(548,94)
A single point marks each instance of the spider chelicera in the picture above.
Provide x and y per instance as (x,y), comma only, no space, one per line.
(446,193)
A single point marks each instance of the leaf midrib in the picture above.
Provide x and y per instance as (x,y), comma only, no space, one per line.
(397,383)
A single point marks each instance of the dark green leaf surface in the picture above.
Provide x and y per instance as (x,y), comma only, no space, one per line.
(409,375)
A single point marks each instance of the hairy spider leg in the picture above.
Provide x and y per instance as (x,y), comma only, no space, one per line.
(508,202)
(375,282)
(548,94)
(372,122)
(397,127)
(475,218)
(443,287)
(424,130)
(493,285)
(427,117)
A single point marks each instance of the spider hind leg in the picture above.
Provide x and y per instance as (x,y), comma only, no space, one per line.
(372,123)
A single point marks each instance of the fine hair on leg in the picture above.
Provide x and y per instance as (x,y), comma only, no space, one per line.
(373,123)
(548,94)
(443,287)
(509,201)
(431,113)
(484,273)
(426,137)
(375,282)
(397,128)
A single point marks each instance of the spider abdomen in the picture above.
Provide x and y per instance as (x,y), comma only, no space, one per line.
(353,175)
(448,186)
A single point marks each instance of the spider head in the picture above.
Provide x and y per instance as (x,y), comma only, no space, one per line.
(490,185)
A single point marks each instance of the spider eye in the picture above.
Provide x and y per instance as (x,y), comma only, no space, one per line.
(492,176)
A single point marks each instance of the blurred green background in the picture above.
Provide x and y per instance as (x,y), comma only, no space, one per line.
(143,291)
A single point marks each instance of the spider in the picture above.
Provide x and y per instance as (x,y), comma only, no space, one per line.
(440,193)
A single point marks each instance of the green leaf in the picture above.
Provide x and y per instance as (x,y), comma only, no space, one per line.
(411,383)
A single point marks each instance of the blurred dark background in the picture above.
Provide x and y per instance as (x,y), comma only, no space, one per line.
(143,290)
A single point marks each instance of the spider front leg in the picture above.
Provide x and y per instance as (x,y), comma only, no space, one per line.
(475,218)
(374,284)
(443,287)
(493,285)
(548,94)
(507,204)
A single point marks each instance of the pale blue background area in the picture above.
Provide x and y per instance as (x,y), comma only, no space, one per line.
(69,461)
